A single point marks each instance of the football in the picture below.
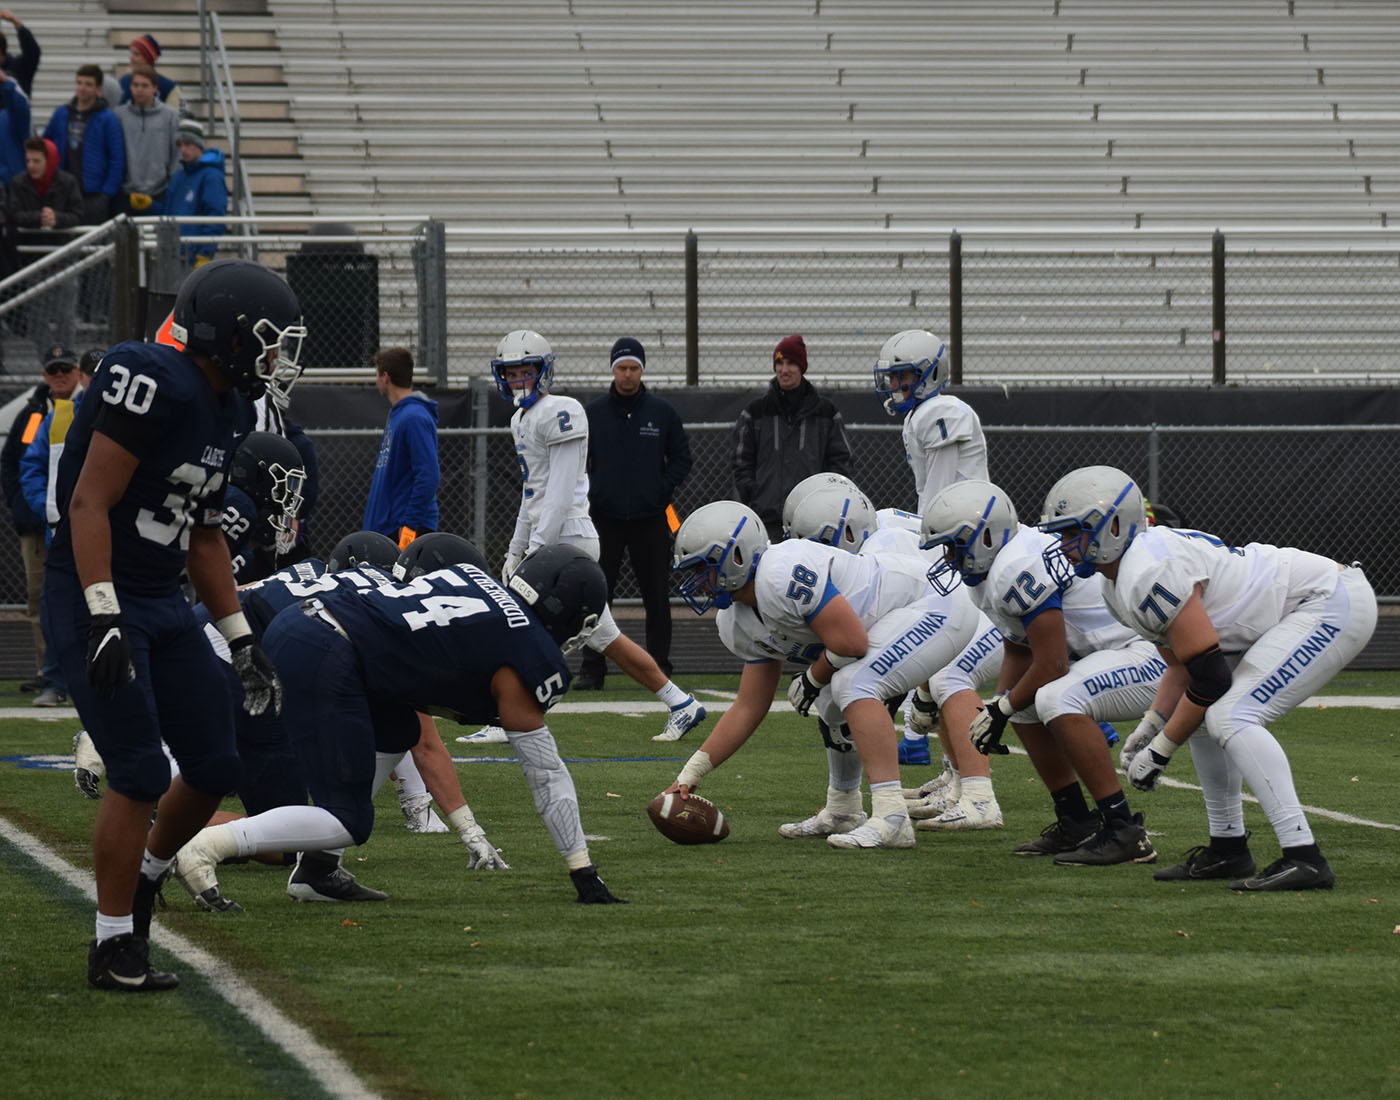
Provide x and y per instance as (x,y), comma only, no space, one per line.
(692,820)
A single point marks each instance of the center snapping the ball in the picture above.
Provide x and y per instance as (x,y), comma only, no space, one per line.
(692,820)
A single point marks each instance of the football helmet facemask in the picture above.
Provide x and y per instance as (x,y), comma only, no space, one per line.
(565,590)
(970,521)
(363,548)
(911,350)
(243,318)
(523,348)
(437,550)
(269,469)
(1096,511)
(835,516)
(717,550)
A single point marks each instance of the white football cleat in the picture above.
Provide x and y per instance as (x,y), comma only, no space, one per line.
(487,735)
(876,833)
(823,823)
(88,768)
(418,815)
(946,778)
(936,803)
(683,718)
(966,813)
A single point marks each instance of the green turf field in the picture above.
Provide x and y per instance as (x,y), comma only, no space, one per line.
(759,967)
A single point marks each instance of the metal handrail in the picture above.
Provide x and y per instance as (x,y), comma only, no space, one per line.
(216,82)
(54,258)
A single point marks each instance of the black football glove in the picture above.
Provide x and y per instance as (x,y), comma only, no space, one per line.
(591,889)
(803,692)
(988,726)
(108,656)
(261,688)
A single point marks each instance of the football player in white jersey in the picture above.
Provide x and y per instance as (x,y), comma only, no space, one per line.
(1247,632)
(551,444)
(870,628)
(843,516)
(1068,665)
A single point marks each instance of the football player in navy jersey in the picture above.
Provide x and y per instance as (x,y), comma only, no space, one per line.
(360,666)
(141,489)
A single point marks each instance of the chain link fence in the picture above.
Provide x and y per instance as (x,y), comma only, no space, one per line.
(1323,488)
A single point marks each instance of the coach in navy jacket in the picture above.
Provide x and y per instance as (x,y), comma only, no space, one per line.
(638,455)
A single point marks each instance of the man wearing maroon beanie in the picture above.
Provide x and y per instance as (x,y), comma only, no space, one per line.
(788,434)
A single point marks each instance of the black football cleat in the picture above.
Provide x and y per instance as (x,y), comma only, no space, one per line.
(1289,874)
(1204,862)
(318,876)
(592,890)
(123,963)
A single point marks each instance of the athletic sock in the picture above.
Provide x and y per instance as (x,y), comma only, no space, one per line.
(1114,807)
(1070,804)
(1305,853)
(672,695)
(1229,845)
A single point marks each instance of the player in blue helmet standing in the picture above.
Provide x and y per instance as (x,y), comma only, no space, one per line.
(359,666)
(141,485)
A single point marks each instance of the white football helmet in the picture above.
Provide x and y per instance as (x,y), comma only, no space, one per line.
(717,550)
(528,349)
(807,485)
(1099,506)
(836,516)
(917,350)
(972,520)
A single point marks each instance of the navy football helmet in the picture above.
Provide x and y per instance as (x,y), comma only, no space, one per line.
(244,318)
(363,548)
(437,550)
(565,590)
(269,469)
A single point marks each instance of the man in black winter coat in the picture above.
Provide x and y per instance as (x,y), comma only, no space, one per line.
(788,434)
(638,454)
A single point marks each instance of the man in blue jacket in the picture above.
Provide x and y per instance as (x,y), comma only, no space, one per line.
(14,126)
(638,455)
(90,145)
(197,189)
(402,500)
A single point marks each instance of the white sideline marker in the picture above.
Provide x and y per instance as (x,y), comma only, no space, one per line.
(320,1062)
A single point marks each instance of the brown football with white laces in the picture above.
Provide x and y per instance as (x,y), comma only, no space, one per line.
(692,820)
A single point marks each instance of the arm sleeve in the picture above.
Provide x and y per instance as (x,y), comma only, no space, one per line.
(67,203)
(29,54)
(55,135)
(115,146)
(17,104)
(565,468)
(34,470)
(423,462)
(744,457)
(838,448)
(678,458)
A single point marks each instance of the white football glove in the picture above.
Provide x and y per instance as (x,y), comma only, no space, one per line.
(1151,725)
(484,856)
(1146,769)
(511,564)
(923,715)
(803,692)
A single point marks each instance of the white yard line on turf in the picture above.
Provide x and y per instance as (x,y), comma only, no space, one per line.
(320,1062)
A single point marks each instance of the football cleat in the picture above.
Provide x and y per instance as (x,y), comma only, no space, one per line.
(936,803)
(487,735)
(822,823)
(684,717)
(1061,835)
(1289,874)
(418,815)
(195,868)
(914,751)
(318,876)
(88,768)
(123,963)
(876,833)
(946,778)
(1203,862)
(966,813)
(1110,735)
(1119,841)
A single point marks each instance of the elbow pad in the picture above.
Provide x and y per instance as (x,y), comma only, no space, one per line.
(1210,677)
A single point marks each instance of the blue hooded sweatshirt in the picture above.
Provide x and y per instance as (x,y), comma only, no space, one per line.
(403,492)
(197,190)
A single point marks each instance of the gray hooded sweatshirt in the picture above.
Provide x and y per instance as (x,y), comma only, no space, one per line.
(151,153)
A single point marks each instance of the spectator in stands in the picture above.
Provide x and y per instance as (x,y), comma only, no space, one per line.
(43,200)
(144,51)
(29,524)
(197,189)
(90,146)
(23,65)
(788,434)
(402,500)
(638,455)
(14,123)
(38,478)
(150,131)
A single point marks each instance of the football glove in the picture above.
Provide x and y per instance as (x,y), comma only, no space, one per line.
(511,564)
(1146,769)
(986,729)
(484,856)
(1147,729)
(108,656)
(923,717)
(139,201)
(803,692)
(262,690)
(591,889)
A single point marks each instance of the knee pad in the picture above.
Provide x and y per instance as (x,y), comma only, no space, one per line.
(837,737)
(1218,724)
